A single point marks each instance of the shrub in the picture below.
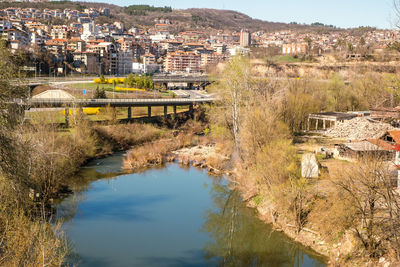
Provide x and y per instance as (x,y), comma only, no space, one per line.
(128,89)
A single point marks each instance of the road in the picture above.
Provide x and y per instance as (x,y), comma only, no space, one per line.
(195,94)
(43,109)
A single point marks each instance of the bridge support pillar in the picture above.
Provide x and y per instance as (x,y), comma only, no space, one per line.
(129,113)
(191,110)
(66,117)
(174,111)
(149,111)
(165,111)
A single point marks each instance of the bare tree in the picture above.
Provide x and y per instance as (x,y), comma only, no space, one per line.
(367,189)
(234,90)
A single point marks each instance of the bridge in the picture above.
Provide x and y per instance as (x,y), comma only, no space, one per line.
(202,80)
(164,79)
(129,103)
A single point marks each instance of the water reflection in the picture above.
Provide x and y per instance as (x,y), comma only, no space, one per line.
(168,217)
(241,239)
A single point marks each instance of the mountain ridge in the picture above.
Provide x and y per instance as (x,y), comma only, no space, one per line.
(182,19)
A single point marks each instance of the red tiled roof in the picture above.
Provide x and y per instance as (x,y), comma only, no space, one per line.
(59,40)
(194,44)
(395,134)
(382,144)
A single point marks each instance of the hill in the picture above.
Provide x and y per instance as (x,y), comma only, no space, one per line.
(143,16)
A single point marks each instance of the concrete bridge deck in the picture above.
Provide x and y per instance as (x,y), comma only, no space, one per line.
(134,102)
(130,103)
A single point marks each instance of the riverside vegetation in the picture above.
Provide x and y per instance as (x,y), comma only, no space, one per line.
(353,213)
(37,157)
(36,163)
(353,208)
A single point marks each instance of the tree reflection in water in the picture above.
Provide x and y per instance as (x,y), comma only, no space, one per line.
(241,239)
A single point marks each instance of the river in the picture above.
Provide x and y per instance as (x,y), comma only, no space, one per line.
(168,216)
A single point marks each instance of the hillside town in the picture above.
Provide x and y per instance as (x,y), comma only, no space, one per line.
(83,46)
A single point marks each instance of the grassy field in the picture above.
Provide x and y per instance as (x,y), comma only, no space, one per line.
(286,59)
(76,90)
(92,86)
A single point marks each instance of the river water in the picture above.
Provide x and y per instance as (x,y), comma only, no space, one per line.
(169,216)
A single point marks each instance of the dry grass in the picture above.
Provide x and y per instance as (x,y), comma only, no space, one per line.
(27,240)
(123,136)
(155,153)
(158,152)
(148,154)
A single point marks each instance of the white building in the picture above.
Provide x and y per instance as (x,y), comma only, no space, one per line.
(156,38)
(137,67)
(89,30)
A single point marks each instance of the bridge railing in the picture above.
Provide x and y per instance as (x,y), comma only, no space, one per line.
(165,101)
(181,80)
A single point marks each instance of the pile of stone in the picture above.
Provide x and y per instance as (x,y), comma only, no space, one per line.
(358,129)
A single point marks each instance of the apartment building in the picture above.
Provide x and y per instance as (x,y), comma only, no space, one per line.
(211,59)
(219,48)
(182,61)
(149,59)
(86,62)
(59,32)
(245,38)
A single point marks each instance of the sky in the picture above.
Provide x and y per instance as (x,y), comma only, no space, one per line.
(341,13)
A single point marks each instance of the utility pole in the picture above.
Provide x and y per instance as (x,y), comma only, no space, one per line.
(40,70)
(114,83)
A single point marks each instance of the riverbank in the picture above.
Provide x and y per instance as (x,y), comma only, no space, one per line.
(306,237)
(164,203)
(212,156)
(190,145)
(149,146)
